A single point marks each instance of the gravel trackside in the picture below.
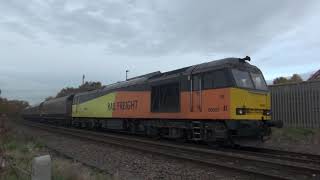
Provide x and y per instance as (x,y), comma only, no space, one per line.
(121,163)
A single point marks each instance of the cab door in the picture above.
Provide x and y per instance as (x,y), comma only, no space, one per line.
(196,93)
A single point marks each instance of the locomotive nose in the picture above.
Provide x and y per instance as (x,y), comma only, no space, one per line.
(250,105)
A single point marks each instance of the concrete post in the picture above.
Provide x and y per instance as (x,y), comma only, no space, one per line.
(41,168)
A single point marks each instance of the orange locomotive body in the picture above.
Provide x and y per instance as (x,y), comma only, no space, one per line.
(211,104)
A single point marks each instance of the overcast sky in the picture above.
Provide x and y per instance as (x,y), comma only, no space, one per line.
(46,45)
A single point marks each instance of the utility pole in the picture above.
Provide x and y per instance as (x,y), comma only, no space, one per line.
(83,76)
(127,74)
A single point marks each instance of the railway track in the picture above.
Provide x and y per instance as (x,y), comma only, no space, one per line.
(283,155)
(260,163)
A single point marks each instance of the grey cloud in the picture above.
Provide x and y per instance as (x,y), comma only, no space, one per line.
(160,27)
(225,26)
(18,28)
(48,44)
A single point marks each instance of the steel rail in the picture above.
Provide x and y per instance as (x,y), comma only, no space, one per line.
(258,166)
(281,154)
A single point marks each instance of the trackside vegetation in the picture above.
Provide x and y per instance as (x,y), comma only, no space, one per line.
(295,135)
(17,151)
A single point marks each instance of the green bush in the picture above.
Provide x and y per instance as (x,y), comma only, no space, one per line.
(293,134)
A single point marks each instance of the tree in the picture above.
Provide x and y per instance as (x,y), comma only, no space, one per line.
(66,91)
(293,79)
(49,98)
(280,80)
(12,107)
(87,86)
(296,78)
(90,86)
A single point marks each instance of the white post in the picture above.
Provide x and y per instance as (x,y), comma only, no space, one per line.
(41,168)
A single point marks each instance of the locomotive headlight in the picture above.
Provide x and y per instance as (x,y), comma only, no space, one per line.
(240,111)
(267,112)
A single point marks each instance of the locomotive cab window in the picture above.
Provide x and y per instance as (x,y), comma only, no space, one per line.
(165,98)
(242,79)
(259,81)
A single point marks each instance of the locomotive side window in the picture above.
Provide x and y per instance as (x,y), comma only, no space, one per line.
(165,98)
(208,80)
(220,79)
(196,82)
(215,79)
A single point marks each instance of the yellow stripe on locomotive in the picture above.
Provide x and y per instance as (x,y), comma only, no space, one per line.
(97,107)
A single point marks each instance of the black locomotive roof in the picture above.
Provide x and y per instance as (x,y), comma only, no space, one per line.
(222,63)
(117,85)
(217,64)
(155,76)
(207,66)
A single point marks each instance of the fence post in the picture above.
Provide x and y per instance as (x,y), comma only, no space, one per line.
(41,168)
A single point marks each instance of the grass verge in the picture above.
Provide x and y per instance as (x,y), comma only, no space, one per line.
(296,135)
(18,150)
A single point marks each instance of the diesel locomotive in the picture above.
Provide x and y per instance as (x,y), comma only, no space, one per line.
(222,101)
